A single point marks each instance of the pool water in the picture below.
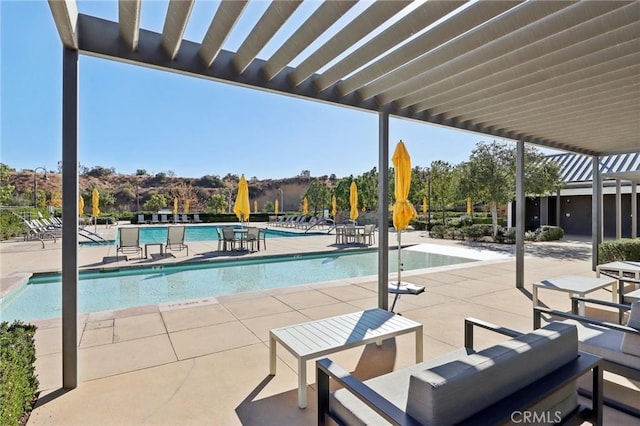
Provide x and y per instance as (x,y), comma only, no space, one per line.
(41,297)
(158,234)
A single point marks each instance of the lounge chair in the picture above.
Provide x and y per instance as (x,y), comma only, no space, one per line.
(141,219)
(175,239)
(196,218)
(535,372)
(154,218)
(163,218)
(176,219)
(129,242)
(617,345)
(184,218)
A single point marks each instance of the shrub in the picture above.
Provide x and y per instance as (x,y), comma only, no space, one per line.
(418,225)
(530,236)
(549,233)
(437,231)
(476,231)
(18,382)
(622,249)
(506,236)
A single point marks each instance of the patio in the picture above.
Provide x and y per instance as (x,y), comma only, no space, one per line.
(207,362)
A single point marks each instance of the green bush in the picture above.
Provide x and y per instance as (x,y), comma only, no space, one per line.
(506,236)
(18,382)
(623,249)
(10,225)
(549,233)
(437,231)
(476,231)
(418,225)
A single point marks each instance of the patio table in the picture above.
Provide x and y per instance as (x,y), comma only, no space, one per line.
(576,284)
(322,337)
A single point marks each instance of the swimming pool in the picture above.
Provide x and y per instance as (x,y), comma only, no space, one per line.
(104,290)
(158,234)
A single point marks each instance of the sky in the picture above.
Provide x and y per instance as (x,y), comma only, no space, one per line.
(133,117)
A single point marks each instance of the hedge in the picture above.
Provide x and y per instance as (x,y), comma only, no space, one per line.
(623,249)
(18,382)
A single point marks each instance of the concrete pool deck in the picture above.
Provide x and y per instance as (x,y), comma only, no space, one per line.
(206,362)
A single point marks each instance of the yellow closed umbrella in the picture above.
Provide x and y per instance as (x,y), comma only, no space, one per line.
(353,201)
(424,204)
(305,206)
(187,206)
(469,206)
(334,206)
(403,210)
(80,205)
(255,206)
(175,205)
(95,210)
(241,207)
(275,207)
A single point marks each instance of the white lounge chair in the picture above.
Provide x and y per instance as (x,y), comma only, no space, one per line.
(196,218)
(154,218)
(175,239)
(129,242)
(141,219)
(163,218)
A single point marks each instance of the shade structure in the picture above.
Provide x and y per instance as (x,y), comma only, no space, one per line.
(305,206)
(242,207)
(403,210)
(187,206)
(469,205)
(353,201)
(424,204)
(334,206)
(275,207)
(175,205)
(80,205)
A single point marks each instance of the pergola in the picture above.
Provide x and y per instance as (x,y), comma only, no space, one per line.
(559,74)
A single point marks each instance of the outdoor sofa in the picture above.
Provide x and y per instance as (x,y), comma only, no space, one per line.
(618,345)
(532,374)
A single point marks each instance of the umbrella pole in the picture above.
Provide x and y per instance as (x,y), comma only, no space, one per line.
(399,257)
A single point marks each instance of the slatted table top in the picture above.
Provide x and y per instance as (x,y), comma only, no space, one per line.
(326,335)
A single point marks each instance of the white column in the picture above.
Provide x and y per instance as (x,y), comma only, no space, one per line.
(596,211)
(520,204)
(634,210)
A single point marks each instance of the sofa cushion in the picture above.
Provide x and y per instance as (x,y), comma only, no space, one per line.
(603,342)
(391,386)
(630,343)
(452,392)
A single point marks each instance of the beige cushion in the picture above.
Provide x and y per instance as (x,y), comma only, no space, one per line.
(631,343)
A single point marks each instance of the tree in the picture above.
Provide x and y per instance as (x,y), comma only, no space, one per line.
(6,189)
(317,195)
(56,199)
(490,174)
(217,203)
(268,207)
(141,172)
(444,181)
(156,202)
(106,199)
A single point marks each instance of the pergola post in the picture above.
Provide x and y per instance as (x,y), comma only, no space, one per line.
(634,210)
(618,209)
(596,211)
(69,218)
(520,204)
(383,210)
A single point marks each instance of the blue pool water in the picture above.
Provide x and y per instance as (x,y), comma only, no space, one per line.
(158,234)
(41,297)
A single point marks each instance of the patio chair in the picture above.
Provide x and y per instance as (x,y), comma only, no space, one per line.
(154,218)
(176,219)
(175,239)
(141,219)
(253,237)
(163,218)
(229,238)
(185,218)
(196,218)
(617,345)
(367,237)
(129,242)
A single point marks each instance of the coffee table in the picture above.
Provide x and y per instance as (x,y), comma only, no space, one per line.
(146,248)
(322,337)
(576,284)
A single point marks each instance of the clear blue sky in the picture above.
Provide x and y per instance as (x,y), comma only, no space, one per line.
(133,117)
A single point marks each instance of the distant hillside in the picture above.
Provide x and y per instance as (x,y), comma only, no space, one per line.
(129,191)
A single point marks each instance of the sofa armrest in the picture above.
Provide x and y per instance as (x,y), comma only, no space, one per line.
(470,322)
(327,369)
(539,310)
(576,299)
